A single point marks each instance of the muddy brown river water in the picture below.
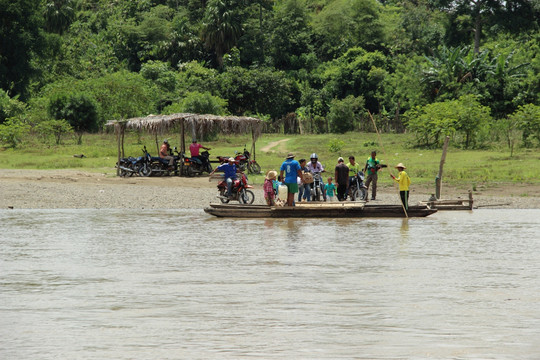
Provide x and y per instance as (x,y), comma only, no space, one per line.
(180,284)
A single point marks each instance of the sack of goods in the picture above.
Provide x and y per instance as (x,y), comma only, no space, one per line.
(307,178)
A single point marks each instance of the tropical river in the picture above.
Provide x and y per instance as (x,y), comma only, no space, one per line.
(125,284)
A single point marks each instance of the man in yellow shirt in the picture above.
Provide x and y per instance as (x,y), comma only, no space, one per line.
(404,182)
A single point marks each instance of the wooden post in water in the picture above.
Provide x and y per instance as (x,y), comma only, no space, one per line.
(438,179)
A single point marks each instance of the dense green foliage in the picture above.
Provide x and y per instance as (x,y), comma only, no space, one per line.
(433,67)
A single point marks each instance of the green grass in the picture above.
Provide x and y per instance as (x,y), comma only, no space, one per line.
(470,168)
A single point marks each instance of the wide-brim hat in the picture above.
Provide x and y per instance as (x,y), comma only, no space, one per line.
(290,156)
(271,175)
(400,165)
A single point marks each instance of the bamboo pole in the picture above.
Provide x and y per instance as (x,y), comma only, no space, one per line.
(118,127)
(384,152)
(438,179)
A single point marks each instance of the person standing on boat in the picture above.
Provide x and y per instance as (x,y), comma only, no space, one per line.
(372,166)
(342,179)
(230,171)
(404,182)
(354,168)
(304,188)
(268,187)
(291,169)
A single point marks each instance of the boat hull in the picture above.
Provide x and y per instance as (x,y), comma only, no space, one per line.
(340,210)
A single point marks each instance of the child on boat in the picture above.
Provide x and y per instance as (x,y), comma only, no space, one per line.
(268,187)
(330,190)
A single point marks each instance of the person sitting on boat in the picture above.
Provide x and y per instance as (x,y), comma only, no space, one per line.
(404,182)
(229,169)
(314,166)
(268,188)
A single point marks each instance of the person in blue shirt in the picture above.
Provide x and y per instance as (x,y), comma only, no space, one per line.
(230,171)
(292,170)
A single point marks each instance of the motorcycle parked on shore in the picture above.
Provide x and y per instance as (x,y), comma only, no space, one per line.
(157,166)
(317,188)
(243,162)
(239,191)
(192,166)
(357,189)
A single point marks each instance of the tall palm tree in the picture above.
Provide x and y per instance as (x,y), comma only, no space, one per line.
(58,15)
(222,27)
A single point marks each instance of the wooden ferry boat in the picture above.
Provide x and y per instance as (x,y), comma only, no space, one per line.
(323,210)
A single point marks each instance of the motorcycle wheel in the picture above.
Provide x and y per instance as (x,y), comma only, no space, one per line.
(246,197)
(254,168)
(355,194)
(362,194)
(156,169)
(145,170)
(190,171)
(317,195)
(223,198)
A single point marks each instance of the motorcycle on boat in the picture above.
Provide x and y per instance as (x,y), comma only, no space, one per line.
(357,189)
(317,188)
(240,191)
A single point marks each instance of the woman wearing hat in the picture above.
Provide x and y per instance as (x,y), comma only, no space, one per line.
(404,181)
(268,187)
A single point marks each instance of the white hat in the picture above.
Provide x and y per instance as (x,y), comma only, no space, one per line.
(231,159)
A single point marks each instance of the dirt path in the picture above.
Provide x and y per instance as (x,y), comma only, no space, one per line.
(273,144)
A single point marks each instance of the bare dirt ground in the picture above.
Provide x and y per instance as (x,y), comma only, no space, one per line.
(72,189)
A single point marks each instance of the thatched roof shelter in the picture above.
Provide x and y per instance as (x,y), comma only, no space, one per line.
(199,124)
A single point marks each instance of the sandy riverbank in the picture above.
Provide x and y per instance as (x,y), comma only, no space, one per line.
(72,189)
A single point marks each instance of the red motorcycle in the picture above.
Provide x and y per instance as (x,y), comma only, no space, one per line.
(239,191)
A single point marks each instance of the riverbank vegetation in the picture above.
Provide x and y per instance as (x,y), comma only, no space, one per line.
(428,69)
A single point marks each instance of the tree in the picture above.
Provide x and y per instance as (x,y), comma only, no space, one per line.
(55,128)
(291,35)
(528,118)
(473,16)
(199,103)
(21,41)
(465,116)
(10,107)
(222,27)
(345,114)
(78,109)
(58,15)
(263,91)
